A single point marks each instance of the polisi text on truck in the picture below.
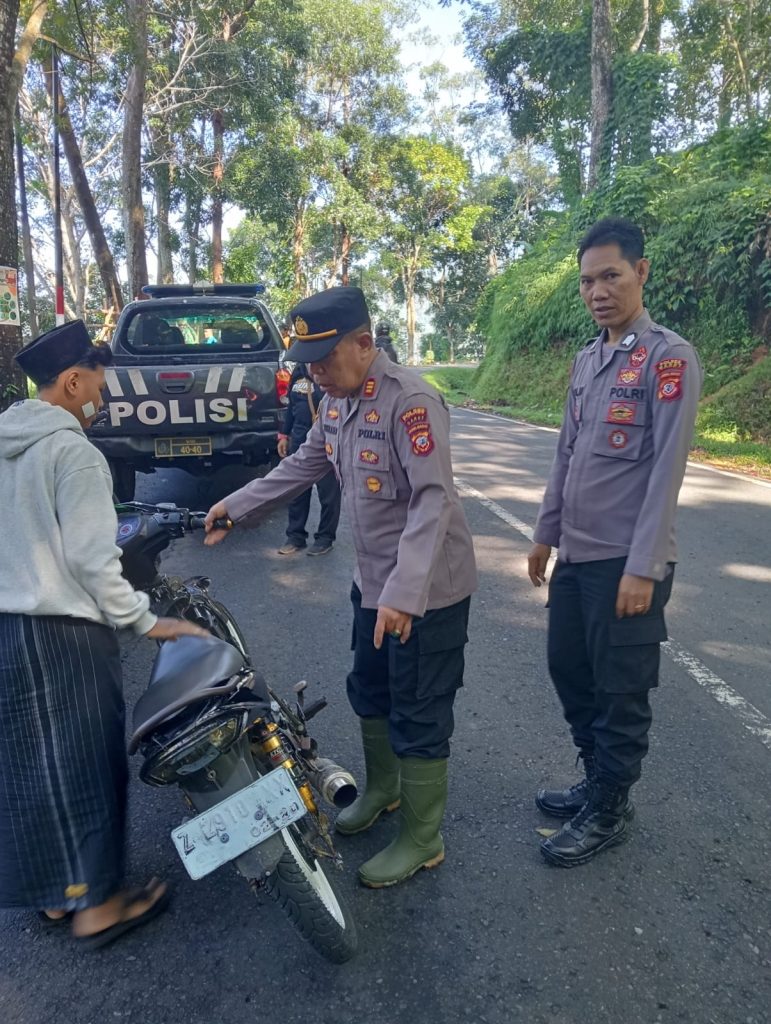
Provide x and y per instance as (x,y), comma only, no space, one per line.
(204,410)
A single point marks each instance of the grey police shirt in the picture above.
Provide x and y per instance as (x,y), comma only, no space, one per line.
(390,448)
(622,451)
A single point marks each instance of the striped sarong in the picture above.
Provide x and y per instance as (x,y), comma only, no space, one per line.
(63,770)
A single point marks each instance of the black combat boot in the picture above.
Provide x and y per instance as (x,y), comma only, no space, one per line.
(600,824)
(566,803)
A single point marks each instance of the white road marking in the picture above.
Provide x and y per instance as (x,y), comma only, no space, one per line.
(555,430)
(753,720)
(137,382)
(213,380)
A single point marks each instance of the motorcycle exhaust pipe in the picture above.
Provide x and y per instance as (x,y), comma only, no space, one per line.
(335,784)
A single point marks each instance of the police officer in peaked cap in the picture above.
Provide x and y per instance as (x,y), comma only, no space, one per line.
(386,433)
(609,508)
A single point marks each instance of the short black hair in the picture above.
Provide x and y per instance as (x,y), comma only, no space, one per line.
(626,235)
(98,355)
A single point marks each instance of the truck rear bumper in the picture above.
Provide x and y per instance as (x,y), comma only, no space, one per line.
(253,447)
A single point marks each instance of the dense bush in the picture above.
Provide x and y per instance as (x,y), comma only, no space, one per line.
(707,216)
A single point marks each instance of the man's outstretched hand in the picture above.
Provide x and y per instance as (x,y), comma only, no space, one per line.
(213,534)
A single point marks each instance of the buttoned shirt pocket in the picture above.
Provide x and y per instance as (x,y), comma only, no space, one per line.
(619,432)
(372,467)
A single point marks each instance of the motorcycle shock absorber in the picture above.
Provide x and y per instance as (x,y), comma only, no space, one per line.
(269,740)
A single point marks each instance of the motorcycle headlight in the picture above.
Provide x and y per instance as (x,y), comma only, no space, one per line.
(190,753)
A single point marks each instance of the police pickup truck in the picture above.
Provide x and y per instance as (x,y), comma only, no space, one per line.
(197,383)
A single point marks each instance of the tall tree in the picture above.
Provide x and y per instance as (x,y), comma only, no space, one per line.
(134,102)
(602,89)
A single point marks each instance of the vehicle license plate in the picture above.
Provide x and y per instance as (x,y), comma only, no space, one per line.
(173,447)
(235,825)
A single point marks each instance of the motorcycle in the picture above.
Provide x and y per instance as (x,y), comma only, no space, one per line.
(243,757)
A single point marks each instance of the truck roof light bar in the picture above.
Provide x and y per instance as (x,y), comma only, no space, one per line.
(170,291)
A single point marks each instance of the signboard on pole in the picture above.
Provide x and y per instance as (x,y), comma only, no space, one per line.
(9,297)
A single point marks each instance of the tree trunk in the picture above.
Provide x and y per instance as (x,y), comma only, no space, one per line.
(133,207)
(162,175)
(298,249)
(192,227)
(12,380)
(26,235)
(91,218)
(409,278)
(345,255)
(602,89)
(218,126)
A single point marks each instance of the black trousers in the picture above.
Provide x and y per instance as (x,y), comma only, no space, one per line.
(298,509)
(413,685)
(603,668)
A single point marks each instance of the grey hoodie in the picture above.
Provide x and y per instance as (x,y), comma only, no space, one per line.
(57,523)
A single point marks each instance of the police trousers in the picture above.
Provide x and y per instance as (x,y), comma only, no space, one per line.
(414,684)
(603,667)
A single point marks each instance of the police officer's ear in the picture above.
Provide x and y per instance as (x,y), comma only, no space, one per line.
(642,269)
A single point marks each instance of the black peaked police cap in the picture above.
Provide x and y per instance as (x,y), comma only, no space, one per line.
(320,321)
(59,349)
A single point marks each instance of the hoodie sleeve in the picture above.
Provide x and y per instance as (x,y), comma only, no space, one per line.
(88,524)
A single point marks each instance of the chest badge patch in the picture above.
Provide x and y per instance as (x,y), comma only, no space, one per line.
(639,356)
(373,484)
(622,412)
(370,386)
(369,456)
(333,414)
(628,375)
(329,449)
(618,439)
(419,430)
(373,416)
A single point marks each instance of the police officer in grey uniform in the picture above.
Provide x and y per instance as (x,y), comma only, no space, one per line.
(387,435)
(609,507)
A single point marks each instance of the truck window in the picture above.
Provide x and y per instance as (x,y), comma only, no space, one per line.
(213,329)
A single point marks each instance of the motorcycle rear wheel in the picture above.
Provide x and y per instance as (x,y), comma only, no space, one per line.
(301,887)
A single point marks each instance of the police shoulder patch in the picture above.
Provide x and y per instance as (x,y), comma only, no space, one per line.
(418,429)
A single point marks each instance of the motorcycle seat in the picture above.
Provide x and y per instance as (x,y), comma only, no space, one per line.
(185,670)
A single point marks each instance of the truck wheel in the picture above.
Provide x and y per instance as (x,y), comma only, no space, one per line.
(124,480)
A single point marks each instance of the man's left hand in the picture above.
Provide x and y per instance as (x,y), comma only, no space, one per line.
(389,620)
(635,594)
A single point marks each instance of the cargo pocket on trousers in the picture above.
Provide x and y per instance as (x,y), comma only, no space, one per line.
(441,653)
(634,653)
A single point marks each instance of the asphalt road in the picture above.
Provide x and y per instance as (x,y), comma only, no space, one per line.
(674,926)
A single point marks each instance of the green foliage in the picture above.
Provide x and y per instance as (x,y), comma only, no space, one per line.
(707,216)
(740,411)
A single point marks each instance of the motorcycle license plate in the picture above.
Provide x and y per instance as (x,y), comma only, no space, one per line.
(174,447)
(238,823)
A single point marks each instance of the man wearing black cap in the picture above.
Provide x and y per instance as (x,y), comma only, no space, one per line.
(386,433)
(62,819)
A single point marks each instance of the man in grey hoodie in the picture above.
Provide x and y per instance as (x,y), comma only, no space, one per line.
(63,771)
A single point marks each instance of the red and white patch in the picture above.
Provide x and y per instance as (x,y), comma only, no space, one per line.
(622,412)
(639,356)
(373,416)
(627,376)
(419,430)
(369,456)
(670,388)
(370,386)
(618,439)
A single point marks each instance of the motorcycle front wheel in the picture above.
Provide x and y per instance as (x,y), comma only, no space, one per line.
(301,887)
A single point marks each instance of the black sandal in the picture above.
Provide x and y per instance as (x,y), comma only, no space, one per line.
(107,935)
(52,923)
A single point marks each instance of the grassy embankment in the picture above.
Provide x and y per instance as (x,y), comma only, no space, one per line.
(537,387)
(706,213)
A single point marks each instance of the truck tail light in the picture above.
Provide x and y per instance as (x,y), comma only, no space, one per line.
(282,386)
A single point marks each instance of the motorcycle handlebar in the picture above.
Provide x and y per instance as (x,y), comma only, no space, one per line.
(172,516)
(198,522)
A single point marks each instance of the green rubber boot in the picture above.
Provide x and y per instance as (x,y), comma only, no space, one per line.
(381,792)
(419,843)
